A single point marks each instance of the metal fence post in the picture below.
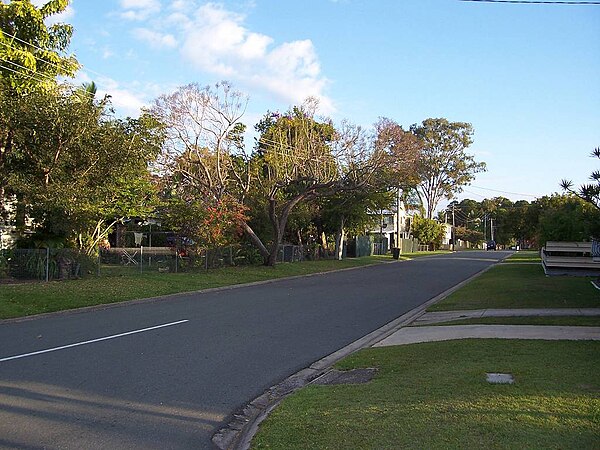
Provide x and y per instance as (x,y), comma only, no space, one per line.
(47,264)
(141,259)
(176,256)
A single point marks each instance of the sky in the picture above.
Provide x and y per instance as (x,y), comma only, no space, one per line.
(527,77)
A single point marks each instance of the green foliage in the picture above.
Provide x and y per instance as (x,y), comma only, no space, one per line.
(33,53)
(465,234)
(428,231)
(76,169)
(444,167)
(567,218)
(587,192)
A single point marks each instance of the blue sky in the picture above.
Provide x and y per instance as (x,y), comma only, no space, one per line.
(526,76)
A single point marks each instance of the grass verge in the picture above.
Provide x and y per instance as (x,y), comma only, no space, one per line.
(28,299)
(434,396)
(570,321)
(524,256)
(521,286)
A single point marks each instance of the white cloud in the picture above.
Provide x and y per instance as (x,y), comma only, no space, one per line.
(127,100)
(140,4)
(216,41)
(154,38)
(139,10)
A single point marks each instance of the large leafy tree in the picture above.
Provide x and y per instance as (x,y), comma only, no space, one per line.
(300,158)
(293,163)
(566,218)
(77,170)
(32,56)
(445,166)
(428,231)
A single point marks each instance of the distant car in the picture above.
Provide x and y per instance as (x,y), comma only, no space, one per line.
(491,245)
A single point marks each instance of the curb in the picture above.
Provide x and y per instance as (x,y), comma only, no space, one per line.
(238,433)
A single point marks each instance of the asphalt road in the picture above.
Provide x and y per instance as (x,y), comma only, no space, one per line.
(112,380)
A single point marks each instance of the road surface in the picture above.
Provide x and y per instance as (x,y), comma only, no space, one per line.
(167,374)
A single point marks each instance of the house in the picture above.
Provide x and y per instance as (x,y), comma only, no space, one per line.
(392,226)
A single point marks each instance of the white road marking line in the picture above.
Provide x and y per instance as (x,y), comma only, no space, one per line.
(77,344)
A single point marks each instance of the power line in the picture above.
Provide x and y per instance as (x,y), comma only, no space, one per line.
(503,192)
(81,67)
(535,2)
(41,77)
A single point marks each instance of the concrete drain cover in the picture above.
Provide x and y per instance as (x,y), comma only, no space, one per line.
(500,378)
(354,376)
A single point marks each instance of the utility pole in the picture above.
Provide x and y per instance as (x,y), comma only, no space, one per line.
(492,227)
(453,226)
(398,220)
(485,227)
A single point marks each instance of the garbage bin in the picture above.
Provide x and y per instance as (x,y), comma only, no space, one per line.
(395,252)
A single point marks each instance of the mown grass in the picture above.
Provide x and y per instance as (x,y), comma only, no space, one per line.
(571,321)
(521,286)
(524,256)
(434,396)
(35,298)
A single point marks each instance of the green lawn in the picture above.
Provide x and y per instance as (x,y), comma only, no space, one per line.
(524,256)
(521,286)
(34,298)
(434,396)
(573,321)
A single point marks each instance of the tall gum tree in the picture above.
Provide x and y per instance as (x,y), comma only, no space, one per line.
(445,166)
(300,158)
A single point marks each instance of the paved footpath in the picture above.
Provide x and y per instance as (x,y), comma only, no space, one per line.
(412,335)
(448,316)
(415,334)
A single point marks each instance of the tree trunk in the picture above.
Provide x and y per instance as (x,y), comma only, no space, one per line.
(255,240)
(323,244)
(279,224)
(339,240)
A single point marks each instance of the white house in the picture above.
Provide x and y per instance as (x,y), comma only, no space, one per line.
(392,225)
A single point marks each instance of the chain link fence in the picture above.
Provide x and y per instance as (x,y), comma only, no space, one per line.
(45,264)
(63,264)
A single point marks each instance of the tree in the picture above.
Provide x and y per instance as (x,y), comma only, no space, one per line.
(428,231)
(205,170)
(397,152)
(32,56)
(567,218)
(587,192)
(31,52)
(75,169)
(299,159)
(444,166)
(465,234)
